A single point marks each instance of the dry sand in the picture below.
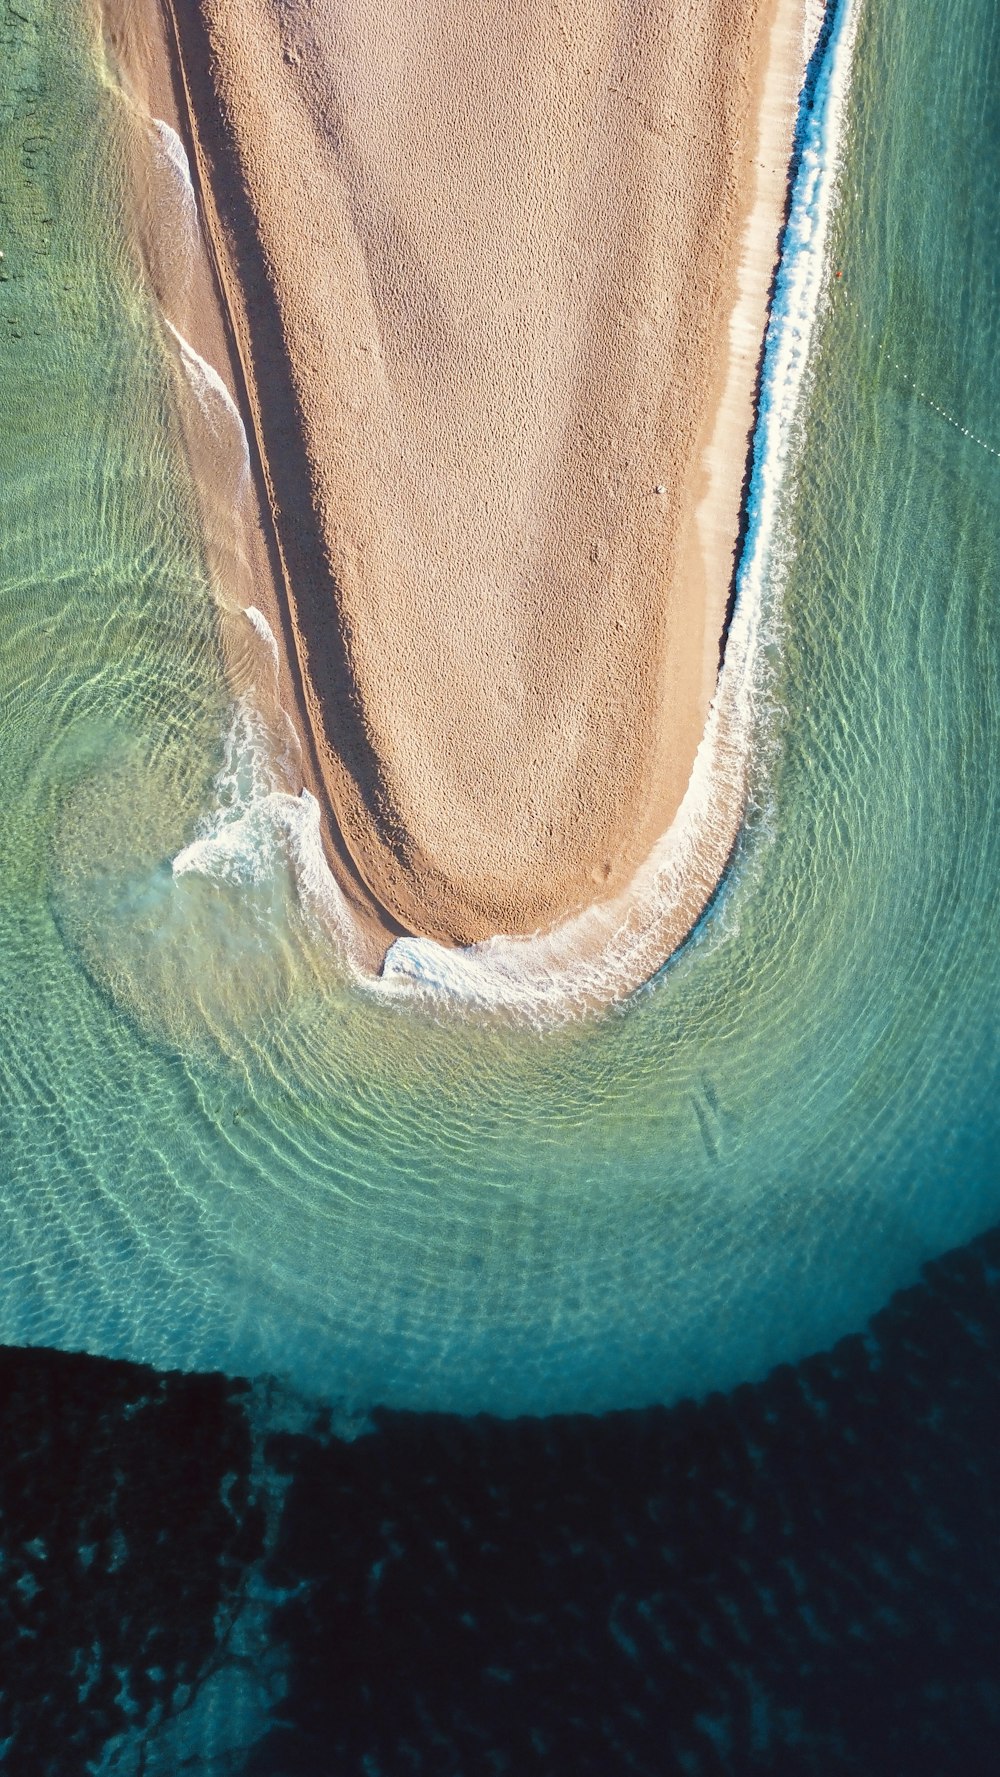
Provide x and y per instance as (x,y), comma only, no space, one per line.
(479,263)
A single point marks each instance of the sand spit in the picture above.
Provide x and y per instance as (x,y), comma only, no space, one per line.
(493,286)
(481,264)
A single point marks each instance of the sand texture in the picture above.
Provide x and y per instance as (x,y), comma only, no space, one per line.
(480,264)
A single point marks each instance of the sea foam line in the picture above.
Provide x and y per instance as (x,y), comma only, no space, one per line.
(174,154)
(600,953)
(208,386)
(256,825)
(211,392)
(257,830)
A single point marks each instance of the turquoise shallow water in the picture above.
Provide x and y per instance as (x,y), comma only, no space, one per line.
(217,1151)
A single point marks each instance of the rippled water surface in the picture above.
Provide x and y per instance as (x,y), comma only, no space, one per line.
(217,1151)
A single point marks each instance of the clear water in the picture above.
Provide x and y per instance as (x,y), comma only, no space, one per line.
(217,1151)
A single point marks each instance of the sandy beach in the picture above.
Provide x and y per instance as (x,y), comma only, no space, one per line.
(490,285)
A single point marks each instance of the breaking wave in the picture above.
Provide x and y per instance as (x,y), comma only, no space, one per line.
(172,154)
(218,408)
(258,827)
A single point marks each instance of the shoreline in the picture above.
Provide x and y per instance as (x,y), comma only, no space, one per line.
(710,545)
(240,533)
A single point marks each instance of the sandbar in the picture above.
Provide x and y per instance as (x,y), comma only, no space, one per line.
(478,265)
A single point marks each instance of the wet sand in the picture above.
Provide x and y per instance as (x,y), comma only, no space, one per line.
(480,271)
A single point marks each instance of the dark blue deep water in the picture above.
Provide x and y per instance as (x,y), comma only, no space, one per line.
(802,1576)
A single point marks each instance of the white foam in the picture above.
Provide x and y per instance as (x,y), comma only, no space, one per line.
(174,155)
(596,955)
(256,828)
(213,396)
(605,950)
(214,399)
(259,622)
(174,233)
